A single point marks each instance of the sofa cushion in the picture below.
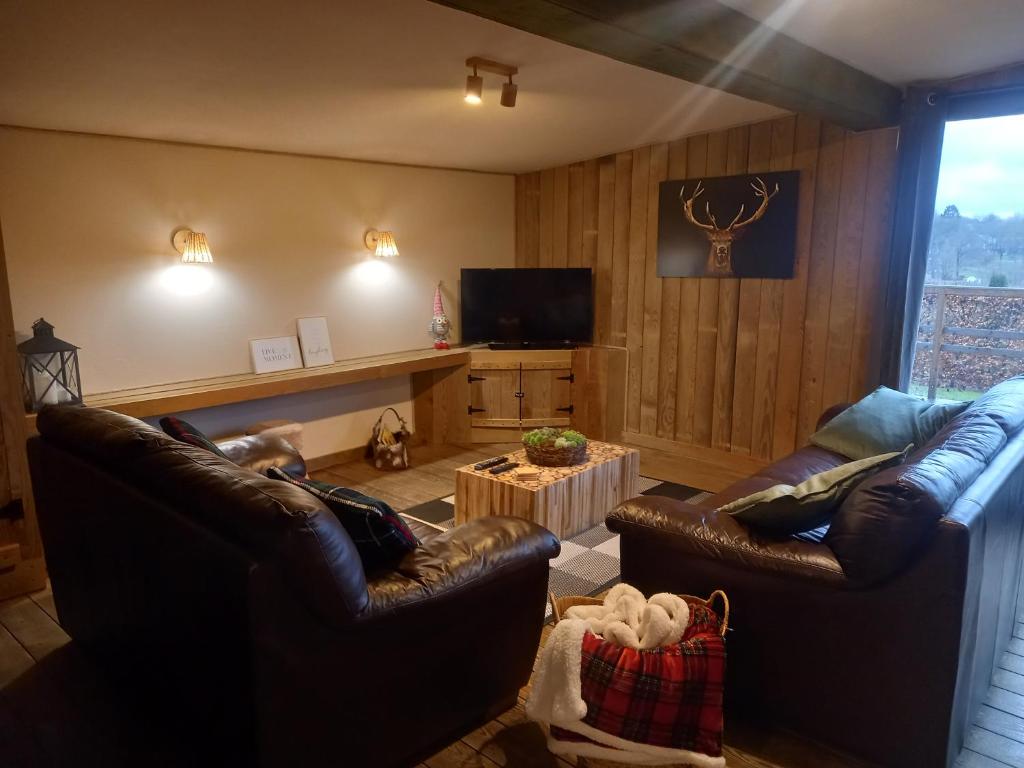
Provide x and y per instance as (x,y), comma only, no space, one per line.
(884,421)
(266,518)
(787,509)
(888,518)
(181,430)
(381,537)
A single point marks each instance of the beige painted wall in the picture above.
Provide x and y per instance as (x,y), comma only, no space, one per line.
(87,222)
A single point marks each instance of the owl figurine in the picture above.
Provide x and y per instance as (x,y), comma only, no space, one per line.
(440,325)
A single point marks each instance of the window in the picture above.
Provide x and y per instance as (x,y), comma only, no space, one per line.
(971,332)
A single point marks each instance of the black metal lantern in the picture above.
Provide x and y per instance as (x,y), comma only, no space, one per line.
(49,369)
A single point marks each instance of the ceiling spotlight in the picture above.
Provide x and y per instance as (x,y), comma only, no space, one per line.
(508,93)
(474,88)
(475,83)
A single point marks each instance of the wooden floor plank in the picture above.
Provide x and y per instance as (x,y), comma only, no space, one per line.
(1008,681)
(1007,701)
(971,759)
(44,599)
(459,755)
(1003,723)
(1012,662)
(14,659)
(995,746)
(31,626)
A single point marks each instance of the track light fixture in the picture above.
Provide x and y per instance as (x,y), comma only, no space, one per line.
(475,83)
(474,88)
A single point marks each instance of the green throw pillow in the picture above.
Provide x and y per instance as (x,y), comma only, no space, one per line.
(885,420)
(787,509)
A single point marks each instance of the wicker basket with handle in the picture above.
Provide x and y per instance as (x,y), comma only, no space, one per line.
(559,605)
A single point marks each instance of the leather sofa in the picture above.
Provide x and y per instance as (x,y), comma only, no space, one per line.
(239,605)
(877,634)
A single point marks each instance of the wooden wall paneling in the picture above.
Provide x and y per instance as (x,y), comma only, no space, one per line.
(635,286)
(671,290)
(794,304)
(29,572)
(846,271)
(590,214)
(546,218)
(707,315)
(748,316)
(603,282)
(689,316)
(864,374)
(727,154)
(12,411)
(770,321)
(819,278)
(599,392)
(574,256)
(620,247)
(650,355)
(528,236)
(560,220)
(736,368)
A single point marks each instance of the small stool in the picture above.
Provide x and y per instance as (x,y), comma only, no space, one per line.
(289,430)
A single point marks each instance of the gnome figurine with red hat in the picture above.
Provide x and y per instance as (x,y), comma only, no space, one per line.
(440,325)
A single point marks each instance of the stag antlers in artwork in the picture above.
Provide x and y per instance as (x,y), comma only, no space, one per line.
(722,238)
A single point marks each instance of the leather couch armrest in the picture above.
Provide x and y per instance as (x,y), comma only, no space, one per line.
(657,525)
(469,556)
(261,452)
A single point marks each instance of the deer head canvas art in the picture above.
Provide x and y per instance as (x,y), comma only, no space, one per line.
(721,238)
(728,226)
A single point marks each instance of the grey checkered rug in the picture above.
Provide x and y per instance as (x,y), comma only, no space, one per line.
(589,561)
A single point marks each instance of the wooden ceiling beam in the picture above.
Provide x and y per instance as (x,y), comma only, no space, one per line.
(706,42)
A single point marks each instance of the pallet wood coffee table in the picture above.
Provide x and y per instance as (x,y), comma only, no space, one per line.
(565,500)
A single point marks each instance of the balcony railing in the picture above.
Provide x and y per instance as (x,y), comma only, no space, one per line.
(931,336)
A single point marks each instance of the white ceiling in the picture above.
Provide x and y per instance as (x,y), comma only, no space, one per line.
(368,79)
(901,41)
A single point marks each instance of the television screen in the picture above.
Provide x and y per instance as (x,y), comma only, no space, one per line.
(527,305)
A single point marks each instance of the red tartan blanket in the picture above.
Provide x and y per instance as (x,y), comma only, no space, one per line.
(651,706)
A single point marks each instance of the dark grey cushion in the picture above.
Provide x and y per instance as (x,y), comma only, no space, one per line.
(787,509)
(884,421)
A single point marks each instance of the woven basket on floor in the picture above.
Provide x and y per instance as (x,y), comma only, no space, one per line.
(549,456)
(559,605)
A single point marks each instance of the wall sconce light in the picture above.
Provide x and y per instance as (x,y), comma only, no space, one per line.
(382,244)
(475,83)
(192,246)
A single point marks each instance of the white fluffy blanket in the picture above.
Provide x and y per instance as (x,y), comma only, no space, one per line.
(626,618)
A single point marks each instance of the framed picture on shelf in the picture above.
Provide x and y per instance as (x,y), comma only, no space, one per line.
(315,341)
(277,354)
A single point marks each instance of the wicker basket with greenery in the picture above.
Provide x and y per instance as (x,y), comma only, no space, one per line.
(551,447)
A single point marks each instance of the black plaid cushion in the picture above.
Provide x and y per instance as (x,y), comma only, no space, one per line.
(181,430)
(379,533)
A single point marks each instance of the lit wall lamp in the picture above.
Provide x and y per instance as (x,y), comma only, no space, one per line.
(382,244)
(475,83)
(192,246)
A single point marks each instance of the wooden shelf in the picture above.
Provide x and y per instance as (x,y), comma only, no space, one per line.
(161,399)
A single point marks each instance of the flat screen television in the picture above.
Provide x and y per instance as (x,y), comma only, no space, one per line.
(528,307)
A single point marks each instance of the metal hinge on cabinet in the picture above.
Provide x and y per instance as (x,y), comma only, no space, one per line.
(473,410)
(571,378)
(568,409)
(471,378)
(520,395)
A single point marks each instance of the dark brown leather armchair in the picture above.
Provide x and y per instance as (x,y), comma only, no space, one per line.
(878,634)
(239,603)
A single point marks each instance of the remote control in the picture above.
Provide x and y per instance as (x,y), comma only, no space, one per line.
(490,463)
(504,468)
